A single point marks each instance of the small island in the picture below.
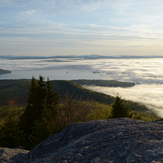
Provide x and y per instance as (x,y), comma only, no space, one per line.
(4,71)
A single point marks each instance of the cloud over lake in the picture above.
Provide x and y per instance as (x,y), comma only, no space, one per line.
(150,95)
(144,70)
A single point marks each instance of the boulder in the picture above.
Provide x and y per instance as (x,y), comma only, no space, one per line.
(120,140)
(15,155)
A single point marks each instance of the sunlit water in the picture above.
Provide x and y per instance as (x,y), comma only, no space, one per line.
(147,72)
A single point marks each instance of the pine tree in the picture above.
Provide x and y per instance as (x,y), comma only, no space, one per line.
(41,93)
(40,112)
(51,96)
(119,108)
(30,113)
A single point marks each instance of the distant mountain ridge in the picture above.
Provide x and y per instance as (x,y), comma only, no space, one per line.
(92,56)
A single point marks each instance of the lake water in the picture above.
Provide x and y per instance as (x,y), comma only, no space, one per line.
(148,72)
(58,74)
(144,71)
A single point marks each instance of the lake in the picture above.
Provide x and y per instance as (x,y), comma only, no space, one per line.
(148,72)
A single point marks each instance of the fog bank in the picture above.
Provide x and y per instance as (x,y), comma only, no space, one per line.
(144,71)
(149,95)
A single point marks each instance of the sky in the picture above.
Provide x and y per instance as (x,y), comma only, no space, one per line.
(81,27)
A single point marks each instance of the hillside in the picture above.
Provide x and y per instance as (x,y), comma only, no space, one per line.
(107,83)
(19,88)
(15,92)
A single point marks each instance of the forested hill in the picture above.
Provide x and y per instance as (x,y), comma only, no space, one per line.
(15,92)
(77,91)
(108,83)
(4,71)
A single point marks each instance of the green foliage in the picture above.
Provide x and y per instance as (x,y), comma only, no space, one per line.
(72,111)
(19,88)
(140,115)
(119,109)
(4,111)
(62,86)
(51,96)
(10,134)
(14,92)
(41,108)
(44,115)
(108,83)
(32,109)
(99,111)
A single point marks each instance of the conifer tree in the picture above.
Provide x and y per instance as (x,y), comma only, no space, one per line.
(30,113)
(41,98)
(51,96)
(37,121)
(41,93)
(119,108)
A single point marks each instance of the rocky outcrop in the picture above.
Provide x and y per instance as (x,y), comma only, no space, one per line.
(120,140)
(16,155)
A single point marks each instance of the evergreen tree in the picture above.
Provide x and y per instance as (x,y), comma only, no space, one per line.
(32,93)
(41,93)
(51,96)
(119,108)
(42,99)
(31,111)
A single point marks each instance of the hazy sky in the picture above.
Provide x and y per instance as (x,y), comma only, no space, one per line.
(77,27)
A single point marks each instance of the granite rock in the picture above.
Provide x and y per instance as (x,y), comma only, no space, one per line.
(120,140)
(14,155)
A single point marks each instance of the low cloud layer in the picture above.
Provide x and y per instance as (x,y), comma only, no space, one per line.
(42,64)
(134,70)
(149,95)
(144,71)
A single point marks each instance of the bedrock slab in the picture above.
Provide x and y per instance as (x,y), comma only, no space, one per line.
(120,140)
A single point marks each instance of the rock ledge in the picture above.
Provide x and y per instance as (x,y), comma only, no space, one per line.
(121,140)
